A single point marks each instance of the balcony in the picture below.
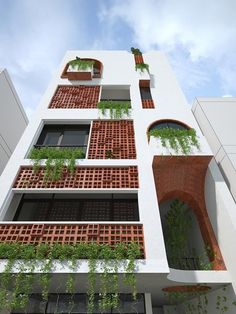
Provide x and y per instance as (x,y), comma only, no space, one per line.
(72,74)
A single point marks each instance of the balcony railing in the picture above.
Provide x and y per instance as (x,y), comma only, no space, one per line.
(110,234)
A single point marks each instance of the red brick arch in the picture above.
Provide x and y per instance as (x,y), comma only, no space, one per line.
(183,177)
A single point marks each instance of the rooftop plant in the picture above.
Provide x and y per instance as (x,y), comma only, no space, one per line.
(80,64)
(28,259)
(117,109)
(135,51)
(142,67)
(56,160)
(181,141)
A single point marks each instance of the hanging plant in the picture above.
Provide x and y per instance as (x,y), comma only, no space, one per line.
(27,257)
(181,141)
(81,65)
(178,224)
(56,160)
(142,67)
(117,109)
(135,51)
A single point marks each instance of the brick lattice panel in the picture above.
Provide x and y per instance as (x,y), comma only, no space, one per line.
(138,59)
(148,104)
(79,97)
(82,178)
(183,178)
(72,234)
(114,136)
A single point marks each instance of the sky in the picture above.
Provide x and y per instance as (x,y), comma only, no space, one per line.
(198,37)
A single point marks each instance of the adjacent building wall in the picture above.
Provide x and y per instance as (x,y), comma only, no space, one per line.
(13,119)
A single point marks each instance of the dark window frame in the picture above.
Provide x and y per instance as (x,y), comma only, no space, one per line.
(61,128)
(140,296)
(81,209)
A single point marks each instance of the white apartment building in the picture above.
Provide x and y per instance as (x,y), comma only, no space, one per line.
(144,174)
(13,119)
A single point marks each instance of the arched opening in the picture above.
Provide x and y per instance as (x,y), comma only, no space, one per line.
(96,71)
(168,123)
(184,243)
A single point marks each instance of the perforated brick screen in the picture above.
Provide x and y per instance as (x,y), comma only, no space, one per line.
(138,59)
(114,136)
(82,178)
(75,97)
(72,234)
(148,104)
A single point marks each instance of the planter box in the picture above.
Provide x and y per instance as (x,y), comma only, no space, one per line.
(74,74)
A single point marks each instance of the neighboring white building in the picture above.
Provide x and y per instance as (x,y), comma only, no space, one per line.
(13,119)
(123,189)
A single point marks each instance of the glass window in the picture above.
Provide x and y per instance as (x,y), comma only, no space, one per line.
(52,138)
(145,93)
(168,124)
(64,135)
(110,207)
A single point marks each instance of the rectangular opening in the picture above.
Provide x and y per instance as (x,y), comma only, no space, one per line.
(80,207)
(115,93)
(67,136)
(61,303)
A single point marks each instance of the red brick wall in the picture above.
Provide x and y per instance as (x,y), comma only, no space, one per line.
(115,136)
(138,59)
(148,104)
(183,177)
(82,178)
(73,233)
(75,97)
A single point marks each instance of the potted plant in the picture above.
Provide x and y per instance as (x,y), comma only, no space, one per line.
(80,69)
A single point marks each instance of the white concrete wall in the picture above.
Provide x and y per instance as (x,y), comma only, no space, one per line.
(224,295)
(222,212)
(216,118)
(13,119)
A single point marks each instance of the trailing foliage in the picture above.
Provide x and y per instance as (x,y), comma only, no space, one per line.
(117,109)
(26,258)
(79,64)
(196,302)
(56,160)
(200,307)
(178,224)
(142,67)
(135,51)
(179,140)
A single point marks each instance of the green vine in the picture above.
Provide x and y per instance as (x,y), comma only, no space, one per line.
(117,109)
(56,160)
(135,51)
(26,258)
(179,140)
(178,224)
(142,67)
(80,64)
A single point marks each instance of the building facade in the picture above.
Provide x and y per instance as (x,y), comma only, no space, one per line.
(134,168)
(13,119)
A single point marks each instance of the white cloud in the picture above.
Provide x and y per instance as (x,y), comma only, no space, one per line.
(33,41)
(205,30)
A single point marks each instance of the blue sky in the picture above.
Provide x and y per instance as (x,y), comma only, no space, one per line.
(198,37)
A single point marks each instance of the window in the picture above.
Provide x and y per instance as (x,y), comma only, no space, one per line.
(145,93)
(64,136)
(92,207)
(61,303)
(161,124)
